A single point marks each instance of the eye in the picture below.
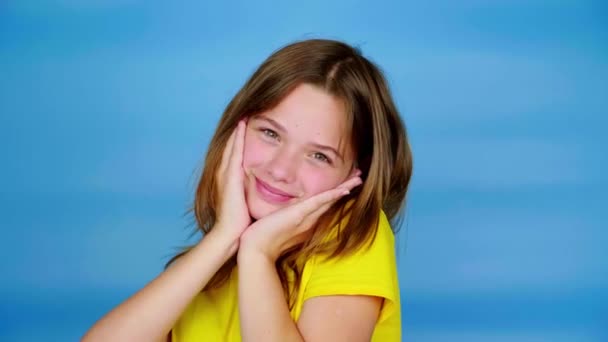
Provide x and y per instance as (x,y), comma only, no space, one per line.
(321,157)
(269,133)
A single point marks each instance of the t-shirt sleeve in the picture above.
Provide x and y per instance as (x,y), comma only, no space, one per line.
(370,271)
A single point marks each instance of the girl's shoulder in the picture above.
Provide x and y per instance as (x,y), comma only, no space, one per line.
(376,257)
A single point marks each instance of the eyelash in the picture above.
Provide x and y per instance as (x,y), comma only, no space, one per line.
(269,133)
(324,159)
(274,135)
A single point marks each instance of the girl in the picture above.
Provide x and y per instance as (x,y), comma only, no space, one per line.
(308,165)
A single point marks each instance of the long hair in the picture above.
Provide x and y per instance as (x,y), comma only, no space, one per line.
(378,138)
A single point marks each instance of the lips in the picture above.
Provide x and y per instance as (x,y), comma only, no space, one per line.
(271,194)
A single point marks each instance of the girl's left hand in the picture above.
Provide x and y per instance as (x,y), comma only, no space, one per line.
(288,226)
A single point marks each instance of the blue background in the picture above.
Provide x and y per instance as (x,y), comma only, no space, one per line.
(107,108)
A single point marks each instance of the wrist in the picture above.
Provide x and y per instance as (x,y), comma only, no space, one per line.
(226,243)
(248,254)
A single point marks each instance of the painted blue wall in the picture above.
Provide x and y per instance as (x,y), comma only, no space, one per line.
(106,109)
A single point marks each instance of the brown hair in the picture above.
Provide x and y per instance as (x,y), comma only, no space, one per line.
(378,138)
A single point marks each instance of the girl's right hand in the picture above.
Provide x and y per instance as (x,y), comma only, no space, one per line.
(232,212)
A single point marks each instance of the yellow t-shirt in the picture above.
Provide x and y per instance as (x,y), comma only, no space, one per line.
(213,315)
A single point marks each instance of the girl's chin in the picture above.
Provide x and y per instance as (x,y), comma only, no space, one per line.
(259,210)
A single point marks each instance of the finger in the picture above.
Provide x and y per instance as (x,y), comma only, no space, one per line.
(311,204)
(309,221)
(350,183)
(236,158)
(327,198)
(315,205)
(355,173)
(227,152)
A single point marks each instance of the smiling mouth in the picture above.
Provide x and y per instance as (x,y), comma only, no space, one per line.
(271,194)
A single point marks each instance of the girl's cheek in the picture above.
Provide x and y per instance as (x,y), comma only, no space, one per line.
(317,181)
(254,152)
(248,148)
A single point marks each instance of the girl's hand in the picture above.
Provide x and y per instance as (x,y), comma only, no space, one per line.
(232,212)
(286,227)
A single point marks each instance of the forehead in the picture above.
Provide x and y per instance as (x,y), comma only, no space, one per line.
(312,113)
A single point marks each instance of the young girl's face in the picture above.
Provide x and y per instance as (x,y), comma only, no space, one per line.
(295,150)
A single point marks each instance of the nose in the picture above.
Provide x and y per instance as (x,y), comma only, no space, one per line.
(283,166)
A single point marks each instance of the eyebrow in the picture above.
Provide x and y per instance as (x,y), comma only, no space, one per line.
(283,129)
